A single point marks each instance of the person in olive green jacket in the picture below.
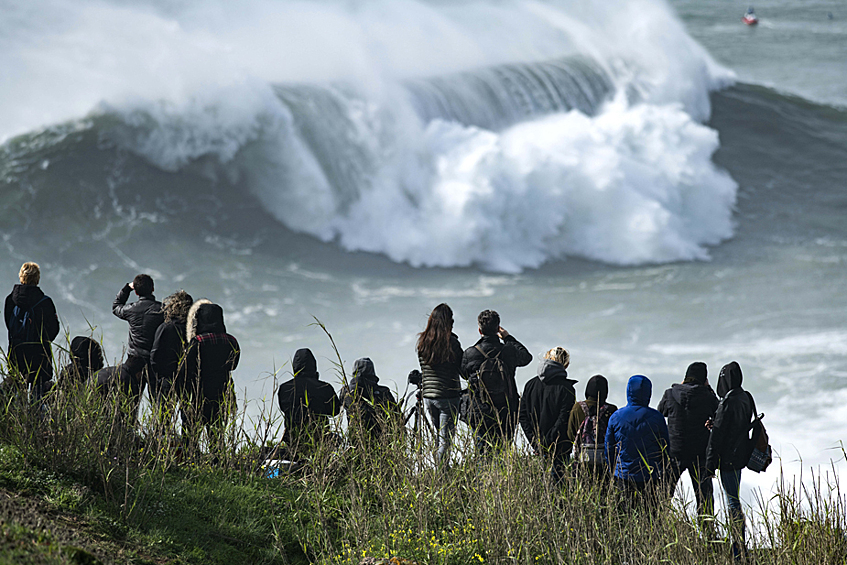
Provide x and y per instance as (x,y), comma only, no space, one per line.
(596,392)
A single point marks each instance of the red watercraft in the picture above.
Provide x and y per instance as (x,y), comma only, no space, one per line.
(750,18)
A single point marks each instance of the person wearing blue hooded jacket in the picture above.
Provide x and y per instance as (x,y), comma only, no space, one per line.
(636,438)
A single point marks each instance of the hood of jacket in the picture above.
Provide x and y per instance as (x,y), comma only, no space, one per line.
(304,364)
(597,389)
(26,295)
(696,374)
(551,372)
(210,319)
(639,389)
(87,352)
(729,378)
(364,373)
(191,319)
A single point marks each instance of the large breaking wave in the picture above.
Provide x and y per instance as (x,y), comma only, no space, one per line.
(494,134)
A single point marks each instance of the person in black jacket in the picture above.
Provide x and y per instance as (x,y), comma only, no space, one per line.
(688,406)
(546,407)
(307,404)
(490,367)
(169,344)
(203,376)
(727,449)
(86,360)
(370,407)
(440,356)
(144,317)
(33,324)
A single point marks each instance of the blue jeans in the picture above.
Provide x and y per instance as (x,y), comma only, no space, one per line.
(731,481)
(443,413)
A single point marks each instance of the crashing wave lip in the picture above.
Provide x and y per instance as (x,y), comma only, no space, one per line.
(499,96)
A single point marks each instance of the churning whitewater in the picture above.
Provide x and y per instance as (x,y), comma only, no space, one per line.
(501,136)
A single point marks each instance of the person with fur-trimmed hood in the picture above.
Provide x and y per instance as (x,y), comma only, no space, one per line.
(307,404)
(204,379)
(33,324)
(370,406)
(169,343)
(727,449)
(546,406)
(688,406)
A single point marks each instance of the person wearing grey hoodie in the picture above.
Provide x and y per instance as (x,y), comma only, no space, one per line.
(370,406)
(545,408)
(728,449)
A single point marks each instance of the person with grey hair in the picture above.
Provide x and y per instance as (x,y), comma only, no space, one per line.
(33,324)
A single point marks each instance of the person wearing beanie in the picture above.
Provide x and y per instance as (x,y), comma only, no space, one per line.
(307,404)
(33,324)
(545,407)
(636,439)
(596,392)
(688,406)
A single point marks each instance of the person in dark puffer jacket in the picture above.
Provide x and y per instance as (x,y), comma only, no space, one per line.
(688,406)
(727,449)
(33,361)
(636,439)
(493,414)
(307,404)
(370,407)
(545,408)
(204,379)
(440,357)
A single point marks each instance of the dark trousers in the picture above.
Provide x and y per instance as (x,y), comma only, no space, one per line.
(494,427)
(700,479)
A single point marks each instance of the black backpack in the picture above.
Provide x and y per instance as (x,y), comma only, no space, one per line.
(22,328)
(494,377)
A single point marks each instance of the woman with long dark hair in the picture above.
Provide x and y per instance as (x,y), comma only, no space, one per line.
(440,355)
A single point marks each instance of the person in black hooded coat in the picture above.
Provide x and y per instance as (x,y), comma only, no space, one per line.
(86,360)
(31,356)
(169,344)
(307,403)
(688,406)
(370,406)
(204,375)
(546,405)
(728,446)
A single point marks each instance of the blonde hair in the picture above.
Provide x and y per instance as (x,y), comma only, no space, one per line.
(30,273)
(559,355)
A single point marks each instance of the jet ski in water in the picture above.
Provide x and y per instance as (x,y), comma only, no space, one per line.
(750,17)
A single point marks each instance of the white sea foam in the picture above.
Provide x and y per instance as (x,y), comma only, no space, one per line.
(632,183)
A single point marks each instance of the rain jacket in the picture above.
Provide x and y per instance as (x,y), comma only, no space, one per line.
(306,402)
(687,406)
(367,403)
(636,435)
(33,360)
(727,448)
(545,408)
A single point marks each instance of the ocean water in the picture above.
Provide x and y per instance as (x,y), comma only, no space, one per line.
(645,183)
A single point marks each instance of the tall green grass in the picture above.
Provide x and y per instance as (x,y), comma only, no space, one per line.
(194,502)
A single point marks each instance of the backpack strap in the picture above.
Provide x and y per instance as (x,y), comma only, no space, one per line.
(484,354)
